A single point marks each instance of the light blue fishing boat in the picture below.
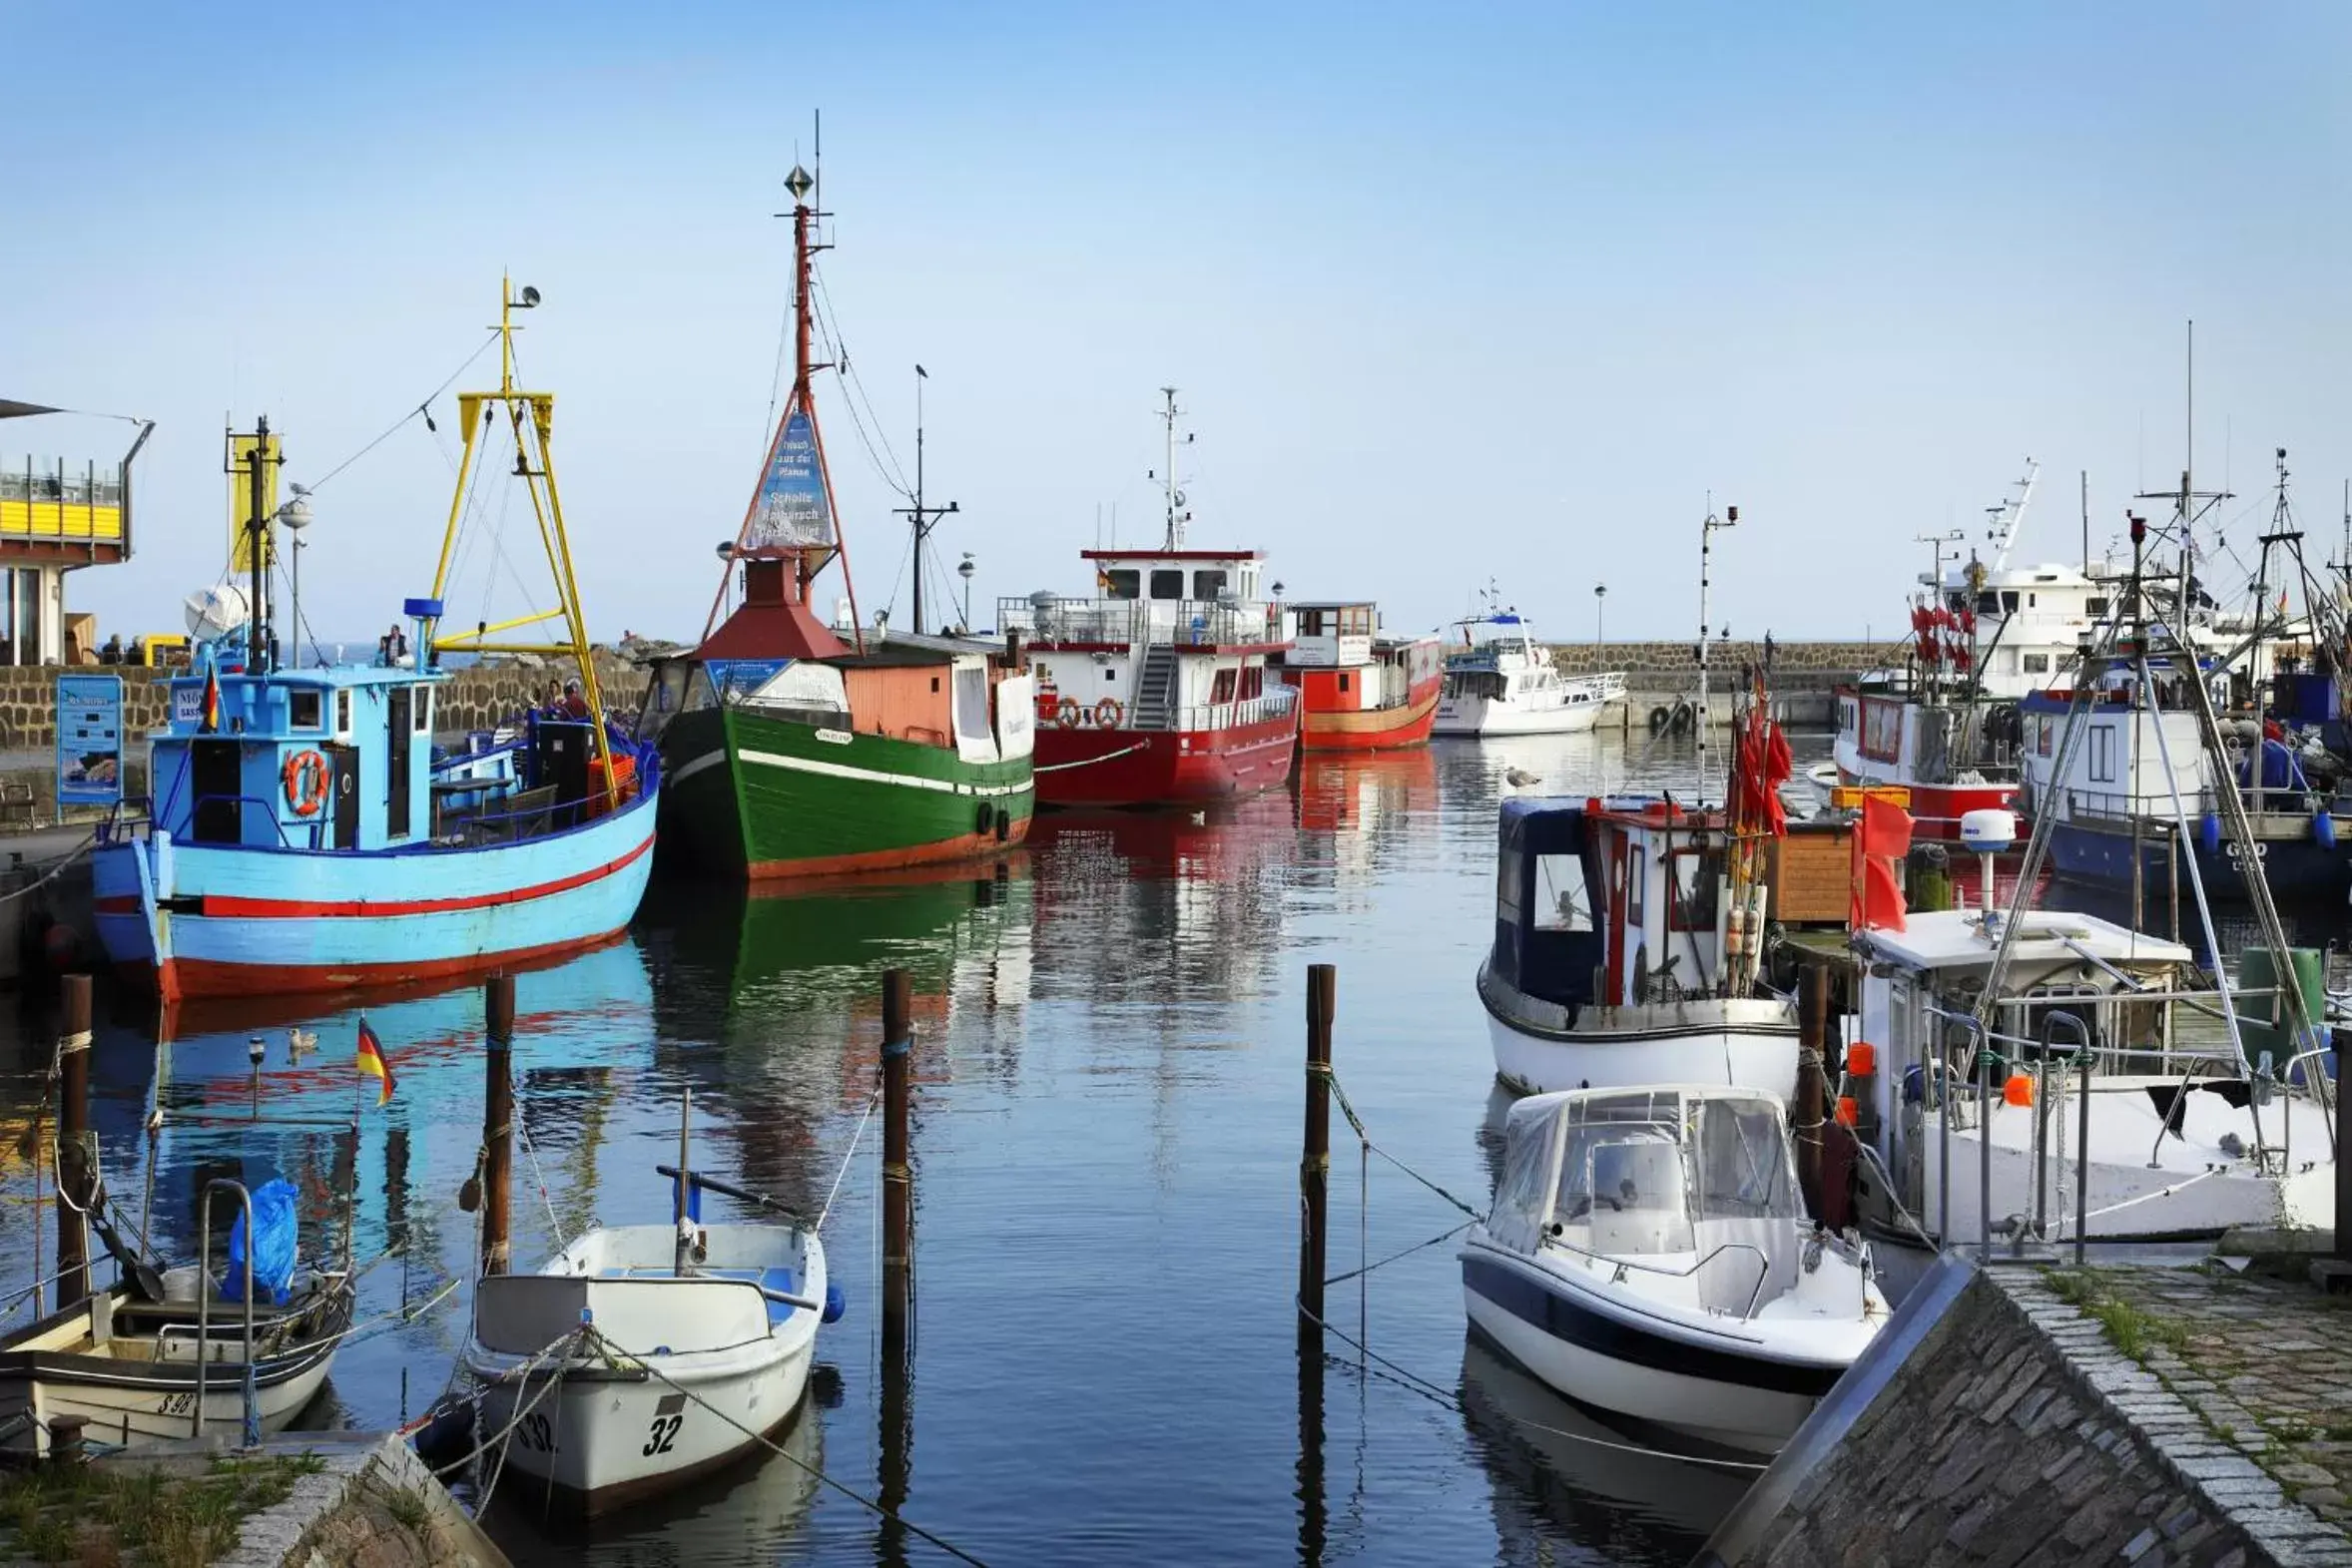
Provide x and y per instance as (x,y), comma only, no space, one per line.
(306,834)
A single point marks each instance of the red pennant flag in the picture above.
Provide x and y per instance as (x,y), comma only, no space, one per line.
(1881,841)
(212,717)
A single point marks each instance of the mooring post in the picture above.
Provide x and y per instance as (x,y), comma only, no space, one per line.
(75,1190)
(1812,1082)
(898,1174)
(497,1120)
(1315,1149)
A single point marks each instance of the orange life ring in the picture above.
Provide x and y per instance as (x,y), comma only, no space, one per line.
(306,783)
(1108,712)
(1068,713)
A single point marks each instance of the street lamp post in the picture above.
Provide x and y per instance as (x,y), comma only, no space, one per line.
(1600,599)
(295,515)
(964,570)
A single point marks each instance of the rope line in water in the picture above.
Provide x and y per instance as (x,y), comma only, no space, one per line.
(769,1443)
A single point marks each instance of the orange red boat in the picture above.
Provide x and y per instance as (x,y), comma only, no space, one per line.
(1361,691)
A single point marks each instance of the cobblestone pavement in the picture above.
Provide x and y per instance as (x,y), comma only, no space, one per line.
(2267,1364)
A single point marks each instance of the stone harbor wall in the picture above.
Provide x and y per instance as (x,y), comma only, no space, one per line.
(1997,1422)
(374,1504)
(1669,666)
(475,698)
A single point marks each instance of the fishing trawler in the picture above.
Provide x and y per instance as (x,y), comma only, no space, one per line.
(1628,938)
(306,834)
(1499,682)
(796,749)
(1156,693)
(1362,691)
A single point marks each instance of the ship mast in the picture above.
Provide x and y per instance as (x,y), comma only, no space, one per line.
(1177,515)
(790,516)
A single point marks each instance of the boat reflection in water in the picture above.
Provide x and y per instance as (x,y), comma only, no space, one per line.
(1615,1489)
(1357,811)
(748,1512)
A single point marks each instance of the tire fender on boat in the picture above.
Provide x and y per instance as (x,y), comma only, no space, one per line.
(1659,718)
(2323,828)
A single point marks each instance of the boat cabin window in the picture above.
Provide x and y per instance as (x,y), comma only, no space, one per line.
(2102,753)
(1343,681)
(2009,602)
(1123,583)
(1693,876)
(1524,1176)
(1744,1167)
(1624,1182)
(1356,620)
(425,710)
(1222,690)
(1311,622)
(2095,606)
(1168,583)
(308,709)
(342,712)
(2034,664)
(1208,582)
(1253,681)
(1636,881)
(1563,901)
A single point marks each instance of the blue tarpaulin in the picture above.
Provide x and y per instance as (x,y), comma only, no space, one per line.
(2280,771)
(274,1226)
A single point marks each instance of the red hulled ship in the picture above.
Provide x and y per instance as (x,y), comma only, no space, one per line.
(1155,692)
(1362,692)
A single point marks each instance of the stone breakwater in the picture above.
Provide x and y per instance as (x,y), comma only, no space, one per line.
(475,698)
(1671,667)
(2003,1424)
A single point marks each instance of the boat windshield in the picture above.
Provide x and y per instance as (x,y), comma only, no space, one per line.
(1745,1168)
(1623,1181)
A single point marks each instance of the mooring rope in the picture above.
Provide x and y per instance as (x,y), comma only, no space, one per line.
(1088,761)
(1324,1071)
(842,1175)
(54,871)
(765,1442)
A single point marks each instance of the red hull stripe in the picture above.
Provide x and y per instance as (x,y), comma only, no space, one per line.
(223,908)
(189,978)
(968,847)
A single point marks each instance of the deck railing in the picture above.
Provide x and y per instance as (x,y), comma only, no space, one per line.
(1141,621)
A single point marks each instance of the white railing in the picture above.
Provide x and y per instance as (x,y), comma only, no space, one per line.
(1277,702)
(1134,622)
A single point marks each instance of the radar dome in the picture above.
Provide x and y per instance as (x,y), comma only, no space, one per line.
(212,613)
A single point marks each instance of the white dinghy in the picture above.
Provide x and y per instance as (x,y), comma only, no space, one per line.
(1648,1255)
(643,1355)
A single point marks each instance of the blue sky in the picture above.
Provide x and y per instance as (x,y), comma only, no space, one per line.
(1500,294)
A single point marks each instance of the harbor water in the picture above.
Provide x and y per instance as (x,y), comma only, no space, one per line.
(1108,1067)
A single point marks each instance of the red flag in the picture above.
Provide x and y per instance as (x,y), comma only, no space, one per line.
(1881,841)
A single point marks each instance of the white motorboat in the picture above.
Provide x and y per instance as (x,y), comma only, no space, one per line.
(643,1355)
(1648,1254)
(1497,682)
(2096,1027)
(163,1355)
(1624,951)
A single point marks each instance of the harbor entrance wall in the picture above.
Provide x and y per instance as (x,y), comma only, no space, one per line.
(1994,1422)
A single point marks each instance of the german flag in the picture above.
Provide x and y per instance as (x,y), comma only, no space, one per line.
(373,1063)
(212,719)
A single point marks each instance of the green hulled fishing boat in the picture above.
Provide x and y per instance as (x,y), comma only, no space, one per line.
(790,749)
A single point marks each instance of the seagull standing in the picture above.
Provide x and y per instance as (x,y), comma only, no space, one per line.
(1519,778)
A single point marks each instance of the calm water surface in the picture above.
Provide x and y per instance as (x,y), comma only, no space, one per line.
(1106,1142)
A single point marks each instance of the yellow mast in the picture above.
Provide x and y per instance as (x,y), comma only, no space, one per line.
(473,411)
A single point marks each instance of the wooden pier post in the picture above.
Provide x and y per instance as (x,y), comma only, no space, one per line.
(497,1120)
(897,1174)
(1315,1150)
(1812,1082)
(73,1130)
